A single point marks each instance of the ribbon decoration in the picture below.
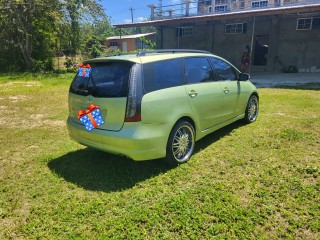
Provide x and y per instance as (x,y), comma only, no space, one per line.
(90,109)
(84,70)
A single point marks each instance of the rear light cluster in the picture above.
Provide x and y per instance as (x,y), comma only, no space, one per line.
(132,113)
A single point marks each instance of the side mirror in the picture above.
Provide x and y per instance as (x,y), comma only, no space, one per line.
(244,77)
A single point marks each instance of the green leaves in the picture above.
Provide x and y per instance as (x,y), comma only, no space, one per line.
(34,31)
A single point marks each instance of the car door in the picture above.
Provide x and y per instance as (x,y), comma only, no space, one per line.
(227,76)
(203,92)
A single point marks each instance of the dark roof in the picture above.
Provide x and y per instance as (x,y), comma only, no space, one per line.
(302,8)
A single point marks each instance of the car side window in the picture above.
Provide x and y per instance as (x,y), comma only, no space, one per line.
(223,70)
(198,69)
(162,74)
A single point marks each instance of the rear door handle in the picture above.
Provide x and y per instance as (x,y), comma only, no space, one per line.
(193,93)
(226,90)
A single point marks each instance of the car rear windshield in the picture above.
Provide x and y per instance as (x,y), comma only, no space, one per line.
(105,79)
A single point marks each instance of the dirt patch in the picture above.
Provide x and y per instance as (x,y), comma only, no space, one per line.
(17,98)
(4,107)
(29,121)
(26,84)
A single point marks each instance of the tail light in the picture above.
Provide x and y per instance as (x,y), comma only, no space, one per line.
(133,111)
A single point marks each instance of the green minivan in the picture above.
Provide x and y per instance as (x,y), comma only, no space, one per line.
(157,104)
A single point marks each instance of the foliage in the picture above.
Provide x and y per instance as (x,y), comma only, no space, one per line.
(76,14)
(147,43)
(138,30)
(256,181)
(28,33)
(33,32)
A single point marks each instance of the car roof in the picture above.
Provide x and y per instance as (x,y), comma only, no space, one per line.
(151,57)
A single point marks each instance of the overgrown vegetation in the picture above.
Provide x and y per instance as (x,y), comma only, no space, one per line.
(34,32)
(244,181)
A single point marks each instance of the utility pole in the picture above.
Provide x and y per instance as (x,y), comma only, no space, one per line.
(131,9)
(160,8)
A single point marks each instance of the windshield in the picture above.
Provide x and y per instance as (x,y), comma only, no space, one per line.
(106,79)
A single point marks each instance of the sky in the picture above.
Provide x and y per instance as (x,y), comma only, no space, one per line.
(119,11)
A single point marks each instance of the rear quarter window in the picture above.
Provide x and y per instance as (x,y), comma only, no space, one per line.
(162,74)
(106,79)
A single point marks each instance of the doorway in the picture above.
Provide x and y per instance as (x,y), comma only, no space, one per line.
(261,49)
(124,46)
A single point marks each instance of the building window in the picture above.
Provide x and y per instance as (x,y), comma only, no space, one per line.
(259,4)
(209,9)
(241,4)
(316,23)
(185,31)
(208,3)
(308,23)
(113,44)
(221,8)
(236,28)
(304,23)
(221,2)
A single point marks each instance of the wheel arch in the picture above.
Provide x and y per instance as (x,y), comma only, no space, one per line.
(188,119)
(254,94)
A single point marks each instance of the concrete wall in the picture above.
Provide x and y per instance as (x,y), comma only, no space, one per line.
(299,48)
(291,47)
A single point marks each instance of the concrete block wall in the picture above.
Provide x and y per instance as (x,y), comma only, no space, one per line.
(292,47)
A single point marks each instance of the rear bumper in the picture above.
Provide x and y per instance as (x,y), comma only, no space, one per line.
(135,140)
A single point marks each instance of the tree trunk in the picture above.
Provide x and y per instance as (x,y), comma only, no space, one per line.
(23,36)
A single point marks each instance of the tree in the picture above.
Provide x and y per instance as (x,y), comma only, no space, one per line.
(77,14)
(33,31)
(28,30)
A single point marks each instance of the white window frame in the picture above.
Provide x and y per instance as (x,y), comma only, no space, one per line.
(113,44)
(260,4)
(225,8)
(186,31)
(304,29)
(225,28)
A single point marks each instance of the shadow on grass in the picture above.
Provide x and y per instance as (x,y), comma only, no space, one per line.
(99,171)
(215,136)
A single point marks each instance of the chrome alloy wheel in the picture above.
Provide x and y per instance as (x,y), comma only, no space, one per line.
(253,109)
(183,143)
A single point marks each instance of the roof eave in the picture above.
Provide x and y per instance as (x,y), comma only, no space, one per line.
(228,15)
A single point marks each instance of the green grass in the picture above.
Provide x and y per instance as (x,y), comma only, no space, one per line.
(245,181)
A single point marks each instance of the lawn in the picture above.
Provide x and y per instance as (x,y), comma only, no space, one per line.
(245,181)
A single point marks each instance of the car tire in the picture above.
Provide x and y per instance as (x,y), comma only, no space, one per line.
(252,109)
(181,143)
